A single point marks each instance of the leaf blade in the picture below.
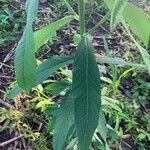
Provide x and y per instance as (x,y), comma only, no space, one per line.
(43,35)
(25,61)
(64,121)
(116,11)
(87,103)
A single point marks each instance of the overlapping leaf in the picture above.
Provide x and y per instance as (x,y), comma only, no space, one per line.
(64,121)
(102,129)
(86,93)
(44,70)
(50,65)
(64,60)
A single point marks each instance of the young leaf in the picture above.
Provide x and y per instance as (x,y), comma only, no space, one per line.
(25,61)
(43,35)
(116,12)
(64,121)
(86,93)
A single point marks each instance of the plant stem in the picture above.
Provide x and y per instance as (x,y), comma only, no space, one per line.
(71,10)
(82,17)
(99,24)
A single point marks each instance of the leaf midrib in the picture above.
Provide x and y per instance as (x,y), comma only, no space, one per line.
(87,89)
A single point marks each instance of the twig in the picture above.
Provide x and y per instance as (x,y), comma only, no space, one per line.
(99,24)
(71,10)
(10,141)
(6,104)
(7,77)
(3,64)
(8,56)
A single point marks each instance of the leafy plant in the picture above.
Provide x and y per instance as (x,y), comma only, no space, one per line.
(79,115)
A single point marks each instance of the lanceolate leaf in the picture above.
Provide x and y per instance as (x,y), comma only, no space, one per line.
(86,93)
(102,126)
(102,129)
(56,88)
(64,121)
(43,35)
(109,3)
(118,61)
(50,66)
(31,8)
(25,61)
(116,12)
(44,70)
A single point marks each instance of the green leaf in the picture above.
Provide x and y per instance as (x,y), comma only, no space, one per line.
(140,28)
(57,87)
(116,12)
(64,121)
(31,9)
(102,126)
(50,65)
(44,70)
(109,3)
(118,61)
(25,61)
(86,93)
(43,35)
(143,51)
(14,92)
(139,22)
(102,129)
(111,103)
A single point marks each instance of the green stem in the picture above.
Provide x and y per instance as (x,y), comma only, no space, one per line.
(99,24)
(82,17)
(71,10)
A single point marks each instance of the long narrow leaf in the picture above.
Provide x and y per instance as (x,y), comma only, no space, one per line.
(102,129)
(50,66)
(25,61)
(64,121)
(43,35)
(118,61)
(86,93)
